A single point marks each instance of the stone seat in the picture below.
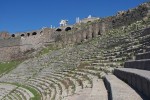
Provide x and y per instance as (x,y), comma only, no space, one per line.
(139,79)
(39,88)
(55,86)
(119,90)
(87,59)
(143,56)
(56,80)
(140,33)
(5,89)
(13,96)
(147,48)
(146,43)
(88,71)
(100,68)
(112,64)
(27,94)
(85,81)
(136,49)
(7,98)
(101,61)
(20,95)
(138,64)
(97,92)
(144,39)
(68,82)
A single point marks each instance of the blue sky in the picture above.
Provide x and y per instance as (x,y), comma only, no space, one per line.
(27,15)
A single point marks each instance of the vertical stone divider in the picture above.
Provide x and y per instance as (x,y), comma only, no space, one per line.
(90,31)
(73,38)
(97,29)
(84,35)
(78,37)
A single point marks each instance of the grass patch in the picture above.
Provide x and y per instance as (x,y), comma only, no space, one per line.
(8,66)
(44,51)
(48,48)
(36,94)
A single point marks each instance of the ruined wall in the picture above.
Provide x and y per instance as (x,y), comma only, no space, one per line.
(84,34)
(4,35)
(48,35)
(9,42)
(36,41)
(121,19)
(15,47)
(31,42)
(9,53)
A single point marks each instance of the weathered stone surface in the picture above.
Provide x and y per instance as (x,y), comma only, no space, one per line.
(5,89)
(95,93)
(118,90)
(139,79)
(138,64)
(143,56)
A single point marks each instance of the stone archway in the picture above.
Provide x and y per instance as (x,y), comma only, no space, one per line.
(58,29)
(93,35)
(13,35)
(68,28)
(87,37)
(99,33)
(97,29)
(28,34)
(34,33)
(22,35)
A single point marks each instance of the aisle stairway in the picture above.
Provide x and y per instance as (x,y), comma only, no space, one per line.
(136,73)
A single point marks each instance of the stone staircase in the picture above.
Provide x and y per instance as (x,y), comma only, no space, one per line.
(136,73)
(118,90)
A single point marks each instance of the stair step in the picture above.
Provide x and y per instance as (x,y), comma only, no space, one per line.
(148,49)
(139,79)
(98,92)
(26,93)
(119,90)
(143,56)
(143,64)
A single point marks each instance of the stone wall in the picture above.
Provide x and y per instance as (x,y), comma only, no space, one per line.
(36,41)
(15,47)
(31,42)
(9,53)
(9,42)
(94,29)
(87,33)
(4,35)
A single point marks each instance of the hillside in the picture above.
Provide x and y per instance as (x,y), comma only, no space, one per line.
(111,66)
